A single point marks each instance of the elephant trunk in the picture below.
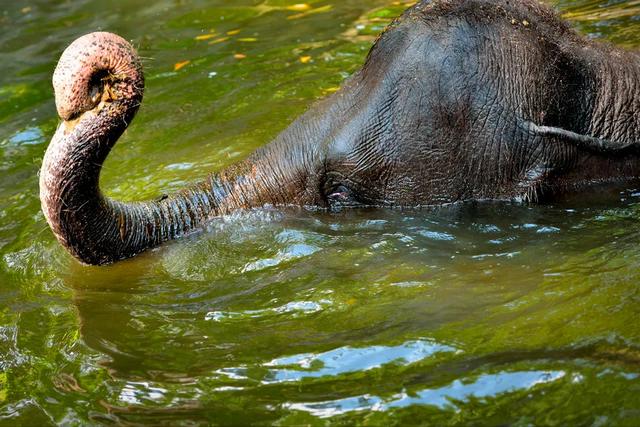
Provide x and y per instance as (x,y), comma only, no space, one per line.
(98,88)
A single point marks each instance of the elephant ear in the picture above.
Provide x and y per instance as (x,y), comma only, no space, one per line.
(584,142)
(534,180)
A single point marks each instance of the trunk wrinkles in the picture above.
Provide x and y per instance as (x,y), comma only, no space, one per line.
(99,230)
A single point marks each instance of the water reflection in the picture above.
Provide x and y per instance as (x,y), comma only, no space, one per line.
(29,136)
(615,21)
(136,393)
(341,360)
(486,386)
(147,314)
(294,307)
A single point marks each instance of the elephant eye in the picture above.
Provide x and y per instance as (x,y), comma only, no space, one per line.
(341,196)
(339,191)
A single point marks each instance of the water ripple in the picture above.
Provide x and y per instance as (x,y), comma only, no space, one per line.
(294,307)
(29,136)
(136,393)
(341,361)
(486,386)
(290,253)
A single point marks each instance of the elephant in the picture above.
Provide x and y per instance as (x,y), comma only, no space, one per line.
(457,100)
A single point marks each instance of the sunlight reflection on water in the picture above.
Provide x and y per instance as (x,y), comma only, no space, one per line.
(486,386)
(341,361)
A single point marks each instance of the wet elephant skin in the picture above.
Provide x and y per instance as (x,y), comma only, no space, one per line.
(457,100)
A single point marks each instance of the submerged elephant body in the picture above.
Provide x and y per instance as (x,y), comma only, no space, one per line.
(457,100)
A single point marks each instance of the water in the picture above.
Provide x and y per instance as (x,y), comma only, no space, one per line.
(485,313)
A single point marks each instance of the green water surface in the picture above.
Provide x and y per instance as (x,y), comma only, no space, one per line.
(481,313)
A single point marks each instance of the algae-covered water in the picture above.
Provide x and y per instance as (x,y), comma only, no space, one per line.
(480,313)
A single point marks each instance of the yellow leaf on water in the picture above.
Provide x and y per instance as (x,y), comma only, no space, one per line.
(299,7)
(248,39)
(232,32)
(205,36)
(322,9)
(26,9)
(220,40)
(332,89)
(305,59)
(179,65)
(239,56)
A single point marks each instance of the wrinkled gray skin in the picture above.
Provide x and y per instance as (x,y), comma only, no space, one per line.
(457,100)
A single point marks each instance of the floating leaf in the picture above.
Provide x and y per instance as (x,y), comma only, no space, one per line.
(239,56)
(179,65)
(311,12)
(232,32)
(205,37)
(248,39)
(26,9)
(305,59)
(299,7)
(220,40)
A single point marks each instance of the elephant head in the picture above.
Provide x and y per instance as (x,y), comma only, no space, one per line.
(457,100)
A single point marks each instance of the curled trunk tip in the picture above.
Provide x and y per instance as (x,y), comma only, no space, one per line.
(86,65)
